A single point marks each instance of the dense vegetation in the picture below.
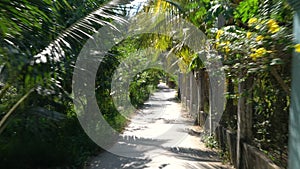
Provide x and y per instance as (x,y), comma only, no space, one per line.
(254,39)
(40,41)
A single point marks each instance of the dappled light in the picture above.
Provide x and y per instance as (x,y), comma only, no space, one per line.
(165,84)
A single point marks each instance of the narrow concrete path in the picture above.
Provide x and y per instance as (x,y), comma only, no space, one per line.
(159,137)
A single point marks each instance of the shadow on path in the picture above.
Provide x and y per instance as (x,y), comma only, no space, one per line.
(159,136)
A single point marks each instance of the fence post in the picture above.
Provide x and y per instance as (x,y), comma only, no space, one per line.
(201,100)
(211,110)
(183,89)
(188,91)
(194,95)
(179,86)
(294,126)
(191,92)
(197,78)
(249,108)
(230,109)
(244,131)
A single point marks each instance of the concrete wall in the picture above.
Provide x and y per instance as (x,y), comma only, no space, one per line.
(252,158)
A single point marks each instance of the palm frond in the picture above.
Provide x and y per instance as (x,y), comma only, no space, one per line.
(81,30)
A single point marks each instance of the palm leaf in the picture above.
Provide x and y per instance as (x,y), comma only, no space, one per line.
(82,29)
(12,30)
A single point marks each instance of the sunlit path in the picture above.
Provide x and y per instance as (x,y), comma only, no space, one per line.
(163,136)
(73,72)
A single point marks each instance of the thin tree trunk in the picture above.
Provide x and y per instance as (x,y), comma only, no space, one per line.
(4,120)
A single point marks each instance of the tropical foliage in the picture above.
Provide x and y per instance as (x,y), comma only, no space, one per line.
(254,39)
(40,44)
(40,41)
